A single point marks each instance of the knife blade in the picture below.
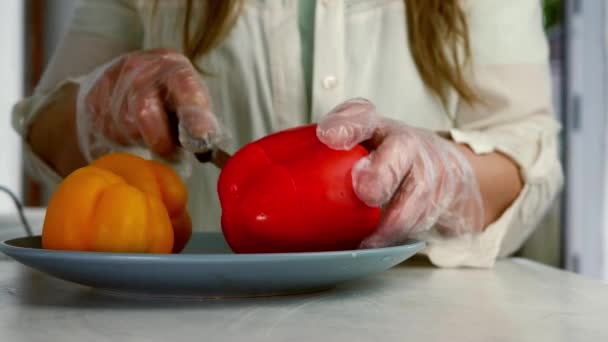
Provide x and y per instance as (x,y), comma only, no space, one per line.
(216,156)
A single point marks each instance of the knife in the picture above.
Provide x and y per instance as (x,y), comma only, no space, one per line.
(215,156)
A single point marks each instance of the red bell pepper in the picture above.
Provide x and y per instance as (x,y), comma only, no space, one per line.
(288,192)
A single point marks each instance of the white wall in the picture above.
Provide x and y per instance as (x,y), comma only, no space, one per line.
(11,78)
(587,132)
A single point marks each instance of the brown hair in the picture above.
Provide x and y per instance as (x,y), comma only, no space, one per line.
(437,32)
(215,18)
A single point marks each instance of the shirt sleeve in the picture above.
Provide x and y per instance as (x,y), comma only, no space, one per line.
(99,31)
(511,73)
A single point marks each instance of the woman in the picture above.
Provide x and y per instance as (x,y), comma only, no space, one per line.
(464,154)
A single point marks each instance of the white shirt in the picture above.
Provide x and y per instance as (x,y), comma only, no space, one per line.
(360,50)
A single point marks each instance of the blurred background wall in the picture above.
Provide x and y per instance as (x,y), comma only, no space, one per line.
(11,76)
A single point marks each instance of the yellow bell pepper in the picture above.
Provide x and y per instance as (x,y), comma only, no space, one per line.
(119,203)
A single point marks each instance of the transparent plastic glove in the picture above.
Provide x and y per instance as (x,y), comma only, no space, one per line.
(420,179)
(133,101)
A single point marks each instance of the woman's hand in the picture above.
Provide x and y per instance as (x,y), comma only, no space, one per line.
(133,99)
(419,178)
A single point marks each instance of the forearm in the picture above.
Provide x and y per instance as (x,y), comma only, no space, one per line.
(52,135)
(499,180)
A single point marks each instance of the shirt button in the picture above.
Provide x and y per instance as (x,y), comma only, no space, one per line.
(330,82)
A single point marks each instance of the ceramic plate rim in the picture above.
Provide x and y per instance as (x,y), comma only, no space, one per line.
(6,246)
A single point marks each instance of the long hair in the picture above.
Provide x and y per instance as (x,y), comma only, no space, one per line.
(437,34)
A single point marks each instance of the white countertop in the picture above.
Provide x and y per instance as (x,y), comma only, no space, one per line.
(516,301)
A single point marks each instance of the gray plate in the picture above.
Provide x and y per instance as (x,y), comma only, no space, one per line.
(208,268)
